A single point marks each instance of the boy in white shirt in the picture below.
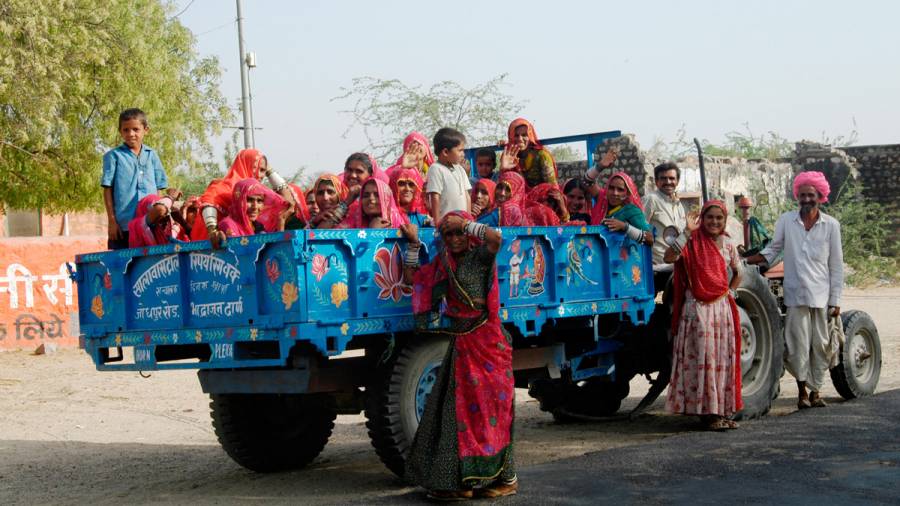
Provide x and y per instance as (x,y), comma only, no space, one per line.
(447,188)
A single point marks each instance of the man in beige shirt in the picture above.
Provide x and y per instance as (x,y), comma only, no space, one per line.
(663,211)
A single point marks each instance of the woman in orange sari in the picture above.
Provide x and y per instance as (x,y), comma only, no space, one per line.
(216,200)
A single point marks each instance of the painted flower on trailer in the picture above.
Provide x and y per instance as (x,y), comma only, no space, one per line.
(338,294)
(288,295)
(635,274)
(272,270)
(107,281)
(320,266)
(97,306)
(390,275)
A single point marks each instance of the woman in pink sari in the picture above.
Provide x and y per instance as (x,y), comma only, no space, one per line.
(546,206)
(408,188)
(706,352)
(463,446)
(152,224)
(377,208)
(509,199)
(255,209)
(416,155)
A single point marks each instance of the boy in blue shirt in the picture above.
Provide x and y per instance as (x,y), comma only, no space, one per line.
(130,172)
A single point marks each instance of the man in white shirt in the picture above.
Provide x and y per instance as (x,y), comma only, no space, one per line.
(813,280)
(663,210)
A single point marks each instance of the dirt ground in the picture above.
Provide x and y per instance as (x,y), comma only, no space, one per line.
(69,434)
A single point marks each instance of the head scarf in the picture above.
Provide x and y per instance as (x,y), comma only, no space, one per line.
(816,180)
(429,155)
(702,269)
(301,212)
(431,282)
(541,214)
(601,208)
(336,182)
(218,193)
(417,205)
(140,234)
(238,223)
(389,210)
(533,141)
(192,201)
(491,187)
(512,211)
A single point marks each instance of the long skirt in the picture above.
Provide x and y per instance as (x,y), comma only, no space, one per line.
(703,360)
(464,439)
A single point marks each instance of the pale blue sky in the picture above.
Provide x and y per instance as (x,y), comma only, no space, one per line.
(798,68)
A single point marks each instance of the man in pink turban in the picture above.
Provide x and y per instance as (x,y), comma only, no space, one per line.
(813,279)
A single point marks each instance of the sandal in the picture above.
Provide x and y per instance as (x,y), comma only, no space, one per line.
(816,401)
(499,489)
(449,495)
(731,424)
(716,423)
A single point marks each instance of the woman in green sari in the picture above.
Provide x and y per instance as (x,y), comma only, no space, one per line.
(619,209)
(463,446)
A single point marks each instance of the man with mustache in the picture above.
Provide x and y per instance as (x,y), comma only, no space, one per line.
(664,212)
(813,279)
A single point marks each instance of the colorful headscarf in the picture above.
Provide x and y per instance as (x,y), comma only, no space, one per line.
(429,156)
(490,187)
(301,211)
(702,269)
(541,214)
(417,205)
(218,193)
(815,179)
(337,183)
(601,208)
(389,210)
(238,223)
(191,202)
(512,211)
(140,234)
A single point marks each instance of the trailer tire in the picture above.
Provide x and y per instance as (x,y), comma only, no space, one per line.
(762,344)
(272,432)
(395,405)
(860,361)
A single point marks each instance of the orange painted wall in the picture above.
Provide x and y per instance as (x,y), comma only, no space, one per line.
(38,303)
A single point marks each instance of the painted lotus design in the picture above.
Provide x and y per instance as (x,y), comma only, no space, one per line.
(97,306)
(272,270)
(338,294)
(319,266)
(390,276)
(288,295)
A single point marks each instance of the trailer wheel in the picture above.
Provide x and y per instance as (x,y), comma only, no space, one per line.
(860,362)
(396,403)
(762,344)
(272,432)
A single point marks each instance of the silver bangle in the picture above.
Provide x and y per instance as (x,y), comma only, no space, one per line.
(592,174)
(411,258)
(277,181)
(634,233)
(210,216)
(475,229)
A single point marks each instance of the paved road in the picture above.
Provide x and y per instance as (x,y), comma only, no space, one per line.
(848,453)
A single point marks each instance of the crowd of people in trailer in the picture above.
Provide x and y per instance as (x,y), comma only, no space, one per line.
(463,447)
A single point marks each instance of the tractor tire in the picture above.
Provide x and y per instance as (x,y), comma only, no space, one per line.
(272,432)
(860,361)
(762,345)
(395,405)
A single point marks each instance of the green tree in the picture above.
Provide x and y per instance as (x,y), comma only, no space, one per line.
(69,67)
(387,110)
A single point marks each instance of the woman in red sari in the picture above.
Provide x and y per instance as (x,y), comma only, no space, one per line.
(483,201)
(463,446)
(254,209)
(377,207)
(416,155)
(706,367)
(546,206)
(509,199)
(153,224)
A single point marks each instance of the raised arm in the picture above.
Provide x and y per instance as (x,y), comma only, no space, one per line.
(411,260)
(673,253)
